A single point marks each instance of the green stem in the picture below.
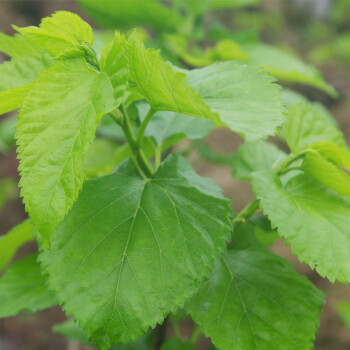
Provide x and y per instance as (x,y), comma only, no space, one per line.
(158,156)
(290,160)
(287,170)
(139,157)
(196,336)
(245,213)
(143,127)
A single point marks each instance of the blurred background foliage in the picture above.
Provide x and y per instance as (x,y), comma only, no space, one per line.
(305,44)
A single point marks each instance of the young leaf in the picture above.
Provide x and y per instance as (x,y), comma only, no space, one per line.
(15,238)
(23,288)
(132,250)
(128,14)
(11,99)
(165,125)
(23,70)
(314,220)
(62,32)
(255,156)
(329,164)
(16,76)
(306,126)
(18,45)
(245,98)
(113,63)
(287,67)
(255,300)
(156,81)
(292,98)
(56,125)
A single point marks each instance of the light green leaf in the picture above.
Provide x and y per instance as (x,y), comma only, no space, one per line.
(314,220)
(245,98)
(306,126)
(133,250)
(201,6)
(62,32)
(212,156)
(329,164)
(113,62)
(56,125)
(71,330)
(156,81)
(165,125)
(23,288)
(175,344)
(255,156)
(126,14)
(11,99)
(291,98)
(13,240)
(101,158)
(23,70)
(287,67)
(18,45)
(254,300)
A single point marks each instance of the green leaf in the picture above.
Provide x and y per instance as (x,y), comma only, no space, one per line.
(126,14)
(101,158)
(62,32)
(255,300)
(23,288)
(16,76)
(255,156)
(133,250)
(11,99)
(343,310)
(18,45)
(245,98)
(13,240)
(329,164)
(165,125)
(7,134)
(314,220)
(56,125)
(175,344)
(212,156)
(291,98)
(201,6)
(287,67)
(70,330)
(113,63)
(265,234)
(23,70)
(306,126)
(156,81)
